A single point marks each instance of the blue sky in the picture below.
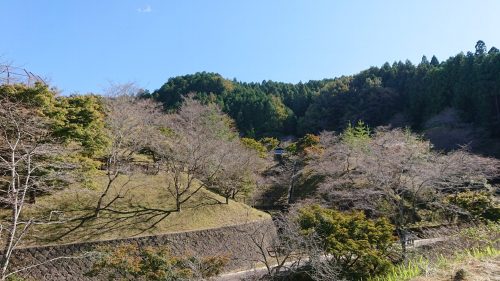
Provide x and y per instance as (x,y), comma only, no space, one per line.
(83,45)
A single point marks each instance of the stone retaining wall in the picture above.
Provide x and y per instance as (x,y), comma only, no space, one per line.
(232,241)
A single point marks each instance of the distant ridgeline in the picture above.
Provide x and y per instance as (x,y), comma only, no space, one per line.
(469,83)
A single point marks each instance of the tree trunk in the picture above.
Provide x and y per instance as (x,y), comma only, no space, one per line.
(402,240)
(156,164)
(32,196)
(497,108)
(177,204)
(292,181)
(9,242)
(9,245)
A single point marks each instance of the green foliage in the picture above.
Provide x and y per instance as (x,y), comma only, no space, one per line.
(434,61)
(307,144)
(255,145)
(39,96)
(359,246)
(361,97)
(77,119)
(270,143)
(257,113)
(309,140)
(15,277)
(421,265)
(222,124)
(130,262)
(406,271)
(327,108)
(87,169)
(356,136)
(480,48)
(467,83)
(487,234)
(493,50)
(478,204)
(292,148)
(267,108)
(81,119)
(208,87)
(478,252)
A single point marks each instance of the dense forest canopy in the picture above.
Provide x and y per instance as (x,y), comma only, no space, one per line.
(469,83)
(259,109)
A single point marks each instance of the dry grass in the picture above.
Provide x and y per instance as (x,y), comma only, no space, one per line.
(202,211)
(484,269)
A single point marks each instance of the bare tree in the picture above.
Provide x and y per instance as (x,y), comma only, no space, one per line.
(195,148)
(398,168)
(291,252)
(27,165)
(201,150)
(10,74)
(131,125)
(238,173)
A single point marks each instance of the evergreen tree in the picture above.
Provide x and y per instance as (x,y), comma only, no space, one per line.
(424,61)
(493,50)
(480,48)
(434,61)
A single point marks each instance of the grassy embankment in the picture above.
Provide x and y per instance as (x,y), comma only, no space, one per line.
(473,254)
(204,210)
(475,264)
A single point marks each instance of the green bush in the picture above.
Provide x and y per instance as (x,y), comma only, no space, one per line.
(257,146)
(478,204)
(355,136)
(359,246)
(270,143)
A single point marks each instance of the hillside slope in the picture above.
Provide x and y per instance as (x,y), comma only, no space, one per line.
(142,192)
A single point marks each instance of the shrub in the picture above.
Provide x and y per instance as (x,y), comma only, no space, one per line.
(358,246)
(308,143)
(357,135)
(130,262)
(257,146)
(270,143)
(478,204)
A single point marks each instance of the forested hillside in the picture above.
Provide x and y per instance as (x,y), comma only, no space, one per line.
(469,83)
(376,163)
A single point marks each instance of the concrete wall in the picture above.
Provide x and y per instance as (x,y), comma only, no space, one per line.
(232,241)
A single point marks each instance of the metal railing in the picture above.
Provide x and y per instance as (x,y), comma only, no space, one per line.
(17,75)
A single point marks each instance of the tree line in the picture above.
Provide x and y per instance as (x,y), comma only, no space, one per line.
(467,82)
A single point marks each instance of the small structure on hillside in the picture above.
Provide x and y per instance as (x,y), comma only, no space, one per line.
(410,239)
(279,151)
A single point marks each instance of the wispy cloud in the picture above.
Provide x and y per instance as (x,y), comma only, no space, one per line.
(146,9)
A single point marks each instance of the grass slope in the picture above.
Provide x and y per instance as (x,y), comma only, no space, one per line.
(472,269)
(204,210)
